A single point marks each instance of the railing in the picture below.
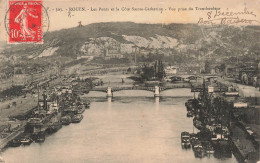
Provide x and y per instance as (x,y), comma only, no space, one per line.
(104,89)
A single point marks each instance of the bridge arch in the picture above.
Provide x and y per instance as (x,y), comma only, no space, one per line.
(133,93)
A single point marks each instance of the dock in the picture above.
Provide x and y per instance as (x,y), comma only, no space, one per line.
(243,148)
(11,136)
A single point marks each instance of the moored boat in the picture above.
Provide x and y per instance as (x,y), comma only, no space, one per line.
(197,124)
(77,118)
(66,120)
(198,151)
(185,139)
(208,147)
(40,138)
(80,110)
(196,143)
(54,127)
(42,117)
(87,105)
(220,136)
(193,137)
(26,140)
(14,143)
(189,114)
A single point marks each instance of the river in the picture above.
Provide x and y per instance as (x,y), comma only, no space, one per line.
(133,126)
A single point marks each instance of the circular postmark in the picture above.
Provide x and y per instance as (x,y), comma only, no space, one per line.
(26,22)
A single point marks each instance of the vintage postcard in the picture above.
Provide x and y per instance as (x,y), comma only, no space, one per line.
(138,81)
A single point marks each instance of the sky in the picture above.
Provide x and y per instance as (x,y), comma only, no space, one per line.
(61,19)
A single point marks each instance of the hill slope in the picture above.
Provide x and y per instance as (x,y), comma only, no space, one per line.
(172,39)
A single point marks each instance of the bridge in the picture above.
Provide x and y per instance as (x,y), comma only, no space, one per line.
(155,89)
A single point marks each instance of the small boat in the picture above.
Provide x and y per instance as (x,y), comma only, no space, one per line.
(66,120)
(87,105)
(196,143)
(193,137)
(40,138)
(207,146)
(197,124)
(14,143)
(185,139)
(189,106)
(77,118)
(198,151)
(80,110)
(189,114)
(209,149)
(54,127)
(26,140)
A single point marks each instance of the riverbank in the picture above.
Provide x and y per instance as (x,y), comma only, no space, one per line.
(228,117)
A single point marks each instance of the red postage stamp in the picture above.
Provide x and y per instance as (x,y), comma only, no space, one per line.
(25,22)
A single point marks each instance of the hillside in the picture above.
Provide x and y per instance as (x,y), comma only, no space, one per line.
(179,40)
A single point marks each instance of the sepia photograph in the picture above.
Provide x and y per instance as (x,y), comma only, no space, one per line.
(148,81)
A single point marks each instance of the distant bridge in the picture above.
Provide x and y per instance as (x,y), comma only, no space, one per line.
(155,89)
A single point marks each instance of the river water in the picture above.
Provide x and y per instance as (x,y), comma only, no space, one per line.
(133,126)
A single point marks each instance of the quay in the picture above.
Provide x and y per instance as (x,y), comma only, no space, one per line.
(4,142)
(227,118)
(242,147)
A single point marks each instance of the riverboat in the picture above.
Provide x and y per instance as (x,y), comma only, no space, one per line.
(185,139)
(189,114)
(77,118)
(198,151)
(70,110)
(36,125)
(42,117)
(40,138)
(189,106)
(80,110)
(14,143)
(208,147)
(193,137)
(197,124)
(26,140)
(66,120)
(220,136)
(195,143)
(54,127)
(87,105)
